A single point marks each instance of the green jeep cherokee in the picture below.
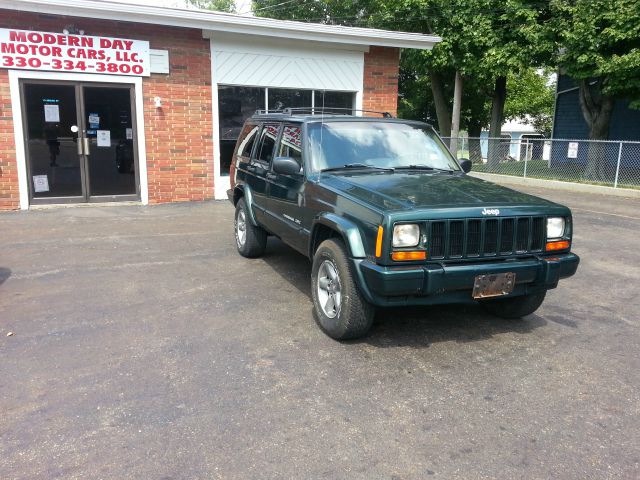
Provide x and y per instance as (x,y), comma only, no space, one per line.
(390,218)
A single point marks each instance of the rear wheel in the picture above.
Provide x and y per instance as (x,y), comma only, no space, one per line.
(514,307)
(340,310)
(250,240)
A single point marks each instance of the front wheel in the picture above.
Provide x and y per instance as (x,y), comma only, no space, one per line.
(514,307)
(340,310)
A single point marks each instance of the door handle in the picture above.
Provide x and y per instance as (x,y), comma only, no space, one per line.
(79,145)
(85,142)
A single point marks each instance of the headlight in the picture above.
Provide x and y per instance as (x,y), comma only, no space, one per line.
(406,235)
(555,227)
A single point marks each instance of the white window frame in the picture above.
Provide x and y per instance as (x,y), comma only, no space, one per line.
(222,183)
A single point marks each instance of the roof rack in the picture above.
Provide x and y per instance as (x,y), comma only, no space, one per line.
(320,111)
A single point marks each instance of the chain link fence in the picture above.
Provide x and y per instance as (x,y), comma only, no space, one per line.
(610,163)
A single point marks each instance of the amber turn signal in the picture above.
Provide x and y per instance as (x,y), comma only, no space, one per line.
(407,256)
(379,242)
(561,245)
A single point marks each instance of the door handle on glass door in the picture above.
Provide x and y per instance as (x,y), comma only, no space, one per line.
(79,142)
(85,142)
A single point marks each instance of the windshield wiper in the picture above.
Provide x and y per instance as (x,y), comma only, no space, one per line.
(422,167)
(356,166)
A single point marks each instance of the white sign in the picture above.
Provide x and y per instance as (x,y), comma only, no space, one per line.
(572,150)
(103,138)
(40,183)
(159,61)
(52,113)
(129,133)
(25,49)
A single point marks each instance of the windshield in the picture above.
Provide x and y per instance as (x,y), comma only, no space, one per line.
(377,144)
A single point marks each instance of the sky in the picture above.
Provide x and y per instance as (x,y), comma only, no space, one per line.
(242,6)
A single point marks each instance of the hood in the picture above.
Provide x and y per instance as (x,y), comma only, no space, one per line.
(417,190)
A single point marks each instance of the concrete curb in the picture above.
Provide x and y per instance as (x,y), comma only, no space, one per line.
(558,185)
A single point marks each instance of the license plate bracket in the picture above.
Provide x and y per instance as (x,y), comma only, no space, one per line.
(493,285)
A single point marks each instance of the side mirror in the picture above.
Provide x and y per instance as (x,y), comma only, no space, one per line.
(465,163)
(286,166)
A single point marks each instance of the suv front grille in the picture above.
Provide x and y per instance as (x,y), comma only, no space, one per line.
(485,237)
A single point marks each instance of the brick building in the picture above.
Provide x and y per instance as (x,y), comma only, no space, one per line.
(103,101)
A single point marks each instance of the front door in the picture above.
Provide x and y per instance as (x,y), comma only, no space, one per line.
(80,142)
(286,191)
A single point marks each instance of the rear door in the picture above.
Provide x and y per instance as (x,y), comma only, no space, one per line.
(286,191)
(242,153)
(257,171)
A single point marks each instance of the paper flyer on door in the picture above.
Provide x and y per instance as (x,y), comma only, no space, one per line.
(104,138)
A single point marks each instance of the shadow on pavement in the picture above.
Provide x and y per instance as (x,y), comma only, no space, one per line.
(292,266)
(419,327)
(4,274)
(405,326)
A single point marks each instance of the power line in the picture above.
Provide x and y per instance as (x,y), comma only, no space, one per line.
(269,7)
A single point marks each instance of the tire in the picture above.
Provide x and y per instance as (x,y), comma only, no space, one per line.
(348,315)
(250,240)
(515,307)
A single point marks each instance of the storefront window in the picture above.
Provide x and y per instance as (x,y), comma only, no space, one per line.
(280,98)
(237,104)
(337,100)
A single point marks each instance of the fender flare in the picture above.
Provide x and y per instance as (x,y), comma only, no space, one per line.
(347,229)
(245,192)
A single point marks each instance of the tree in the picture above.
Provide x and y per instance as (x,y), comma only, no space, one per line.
(228,6)
(484,40)
(333,12)
(531,99)
(599,44)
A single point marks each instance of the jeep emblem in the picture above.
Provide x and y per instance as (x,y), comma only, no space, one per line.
(491,211)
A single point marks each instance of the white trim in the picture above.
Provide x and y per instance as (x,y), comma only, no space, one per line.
(225,22)
(220,183)
(14,87)
(23,185)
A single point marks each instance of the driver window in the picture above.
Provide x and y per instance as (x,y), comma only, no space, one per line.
(268,136)
(291,143)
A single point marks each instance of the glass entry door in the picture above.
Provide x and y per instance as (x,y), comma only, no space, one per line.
(80,142)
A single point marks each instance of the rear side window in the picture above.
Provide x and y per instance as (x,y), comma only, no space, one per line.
(268,136)
(291,144)
(247,139)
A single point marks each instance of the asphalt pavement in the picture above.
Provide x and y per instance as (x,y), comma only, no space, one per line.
(144,347)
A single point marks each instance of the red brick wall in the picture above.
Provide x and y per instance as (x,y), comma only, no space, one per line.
(381,66)
(9,197)
(178,136)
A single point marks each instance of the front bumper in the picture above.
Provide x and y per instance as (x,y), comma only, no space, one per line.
(435,283)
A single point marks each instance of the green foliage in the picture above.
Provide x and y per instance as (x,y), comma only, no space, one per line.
(228,6)
(483,39)
(318,11)
(600,39)
(531,98)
